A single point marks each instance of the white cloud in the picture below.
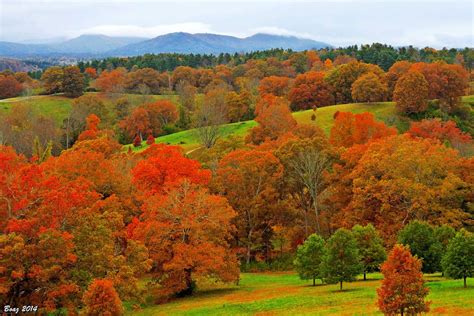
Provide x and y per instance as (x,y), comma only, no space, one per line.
(280,31)
(144,31)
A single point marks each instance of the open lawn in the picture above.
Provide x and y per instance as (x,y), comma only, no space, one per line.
(286,294)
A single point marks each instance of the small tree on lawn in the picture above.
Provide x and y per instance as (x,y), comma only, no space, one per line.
(137,141)
(444,234)
(150,140)
(102,299)
(370,246)
(309,257)
(342,260)
(403,289)
(421,238)
(458,263)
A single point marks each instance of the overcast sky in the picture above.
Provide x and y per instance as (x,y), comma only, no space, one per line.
(338,22)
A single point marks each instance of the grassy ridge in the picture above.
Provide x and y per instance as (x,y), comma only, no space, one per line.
(286,294)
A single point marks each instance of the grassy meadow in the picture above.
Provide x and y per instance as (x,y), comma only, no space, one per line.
(285,294)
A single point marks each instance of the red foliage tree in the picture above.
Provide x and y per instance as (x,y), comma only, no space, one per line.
(9,87)
(111,81)
(91,72)
(310,90)
(403,289)
(150,140)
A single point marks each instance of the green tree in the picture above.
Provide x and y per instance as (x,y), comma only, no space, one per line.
(370,246)
(73,82)
(458,261)
(309,258)
(342,260)
(444,234)
(421,238)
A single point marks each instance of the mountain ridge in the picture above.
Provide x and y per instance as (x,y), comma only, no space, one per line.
(98,45)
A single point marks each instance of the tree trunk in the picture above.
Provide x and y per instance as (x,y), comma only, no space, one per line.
(314,281)
(365,275)
(401,311)
(340,285)
(316,211)
(465,283)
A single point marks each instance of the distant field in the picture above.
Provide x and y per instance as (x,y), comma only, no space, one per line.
(58,107)
(286,294)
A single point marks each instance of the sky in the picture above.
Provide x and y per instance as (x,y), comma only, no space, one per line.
(338,22)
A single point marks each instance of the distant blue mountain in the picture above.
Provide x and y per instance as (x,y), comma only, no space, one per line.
(186,43)
(79,46)
(215,44)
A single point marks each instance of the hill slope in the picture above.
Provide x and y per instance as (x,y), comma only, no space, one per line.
(215,44)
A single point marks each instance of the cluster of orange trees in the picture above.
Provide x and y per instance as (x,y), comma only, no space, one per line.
(91,221)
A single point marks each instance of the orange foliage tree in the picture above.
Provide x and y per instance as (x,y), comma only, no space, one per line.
(102,299)
(187,233)
(350,129)
(275,85)
(310,90)
(274,118)
(9,87)
(411,93)
(396,71)
(403,289)
(389,189)
(112,81)
(249,180)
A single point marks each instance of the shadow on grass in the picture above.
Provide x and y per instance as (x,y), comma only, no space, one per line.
(346,290)
(214,292)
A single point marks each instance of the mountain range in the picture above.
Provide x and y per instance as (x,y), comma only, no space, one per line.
(186,43)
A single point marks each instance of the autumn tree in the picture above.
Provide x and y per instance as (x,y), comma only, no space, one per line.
(102,299)
(137,124)
(370,246)
(342,260)
(342,77)
(368,88)
(447,83)
(72,82)
(91,72)
(446,132)
(458,262)
(150,140)
(161,114)
(309,258)
(136,80)
(306,161)
(403,289)
(350,129)
(275,85)
(239,106)
(9,87)
(274,119)
(112,81)
(52,80)
(396,71)
(411,93)
(388,190)
(249,180)
(310,90)
(209,117)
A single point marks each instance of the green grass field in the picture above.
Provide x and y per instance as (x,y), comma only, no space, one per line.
(286,294)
